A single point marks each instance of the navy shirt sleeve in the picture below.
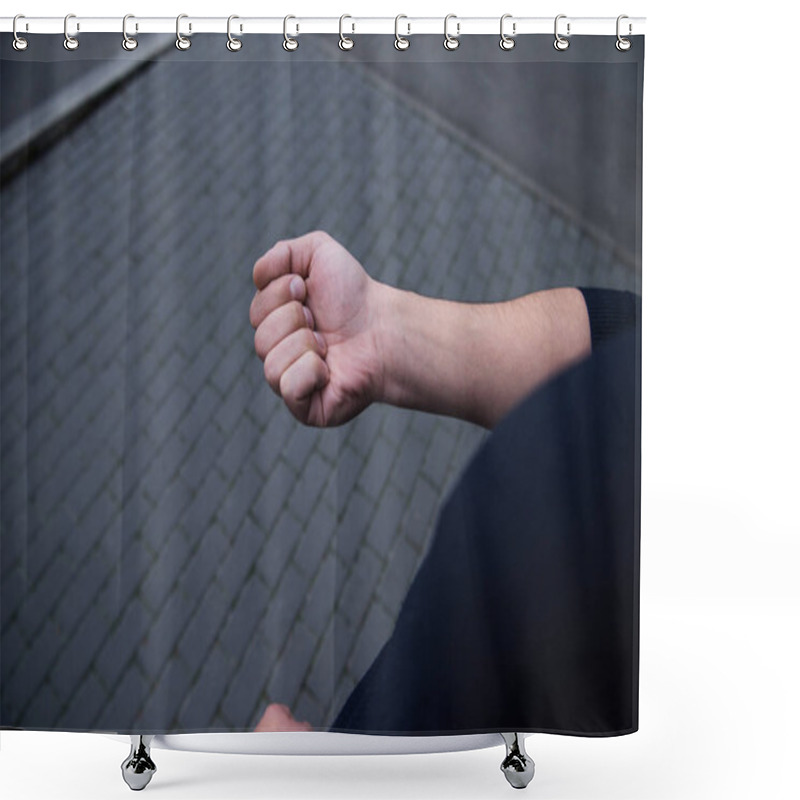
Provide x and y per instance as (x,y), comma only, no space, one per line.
(610,312)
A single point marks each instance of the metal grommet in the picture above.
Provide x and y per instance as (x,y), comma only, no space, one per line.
(345,42)
(451,42)
(128,42)
(181,41)
(622,44)
(289,43)
(400,42)
(70,42)
(560,43)
(20,43)
(507,42)
(233,44)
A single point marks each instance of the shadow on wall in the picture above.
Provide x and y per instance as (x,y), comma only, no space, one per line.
(579,132)
(566,129)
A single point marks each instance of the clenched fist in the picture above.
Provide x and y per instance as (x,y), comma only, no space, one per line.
(315,314)
(333,340)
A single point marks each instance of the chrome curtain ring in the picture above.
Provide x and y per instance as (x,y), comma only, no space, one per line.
(400,42)
(560,43)
(20,42)
(507,42)
(128,42)
(622,44)
(70,42)
(233,44)
(182,42)
(289,43)
(345,42)
(451,42)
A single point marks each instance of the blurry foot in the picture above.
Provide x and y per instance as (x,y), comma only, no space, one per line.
(277,717)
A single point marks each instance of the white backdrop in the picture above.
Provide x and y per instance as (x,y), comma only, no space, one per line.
(720,438)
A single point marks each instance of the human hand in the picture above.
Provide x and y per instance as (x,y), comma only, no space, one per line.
(333,340)
(316,317)
(278,717)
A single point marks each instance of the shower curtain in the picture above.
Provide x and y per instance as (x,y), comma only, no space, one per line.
(320,385)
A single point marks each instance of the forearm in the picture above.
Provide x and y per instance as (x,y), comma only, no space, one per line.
(475,361)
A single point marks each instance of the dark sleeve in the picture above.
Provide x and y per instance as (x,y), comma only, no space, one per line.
(610,312)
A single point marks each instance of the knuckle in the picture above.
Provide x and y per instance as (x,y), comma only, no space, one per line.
(260,341)
(285,387)
(307,340)
(277,246)
(254,320)
(269,298)
(298,316)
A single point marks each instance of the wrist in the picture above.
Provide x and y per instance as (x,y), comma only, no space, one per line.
(390,315)
(424,349)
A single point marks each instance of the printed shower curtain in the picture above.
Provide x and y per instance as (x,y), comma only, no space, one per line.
(319,399)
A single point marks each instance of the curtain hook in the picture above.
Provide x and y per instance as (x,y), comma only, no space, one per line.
(400,42)
(345,42)
(451,42)
(181,41)
(233,44)
(561,43)
(507,42)
(20,42)
(622,44)
(70,42)
(289,43)
(128,42)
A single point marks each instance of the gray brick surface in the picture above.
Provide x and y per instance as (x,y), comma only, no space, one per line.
(320,680)
(391,507)
(283,538)
(240,556)
(294,661)
(397,575)
(360,585)
(244,618)
(371,638)
(306,492)
(284,604)
(353,526)
(241,700)
(206,691)
(85,704)
(202,629)
(40,711)
(177,551)
(29,669)
(133,684)
(117,651)
(321,598)
(314,542)
(161,578)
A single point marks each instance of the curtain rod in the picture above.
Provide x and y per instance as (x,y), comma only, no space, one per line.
(407,26)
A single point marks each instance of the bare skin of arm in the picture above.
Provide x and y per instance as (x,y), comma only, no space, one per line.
(333,340)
